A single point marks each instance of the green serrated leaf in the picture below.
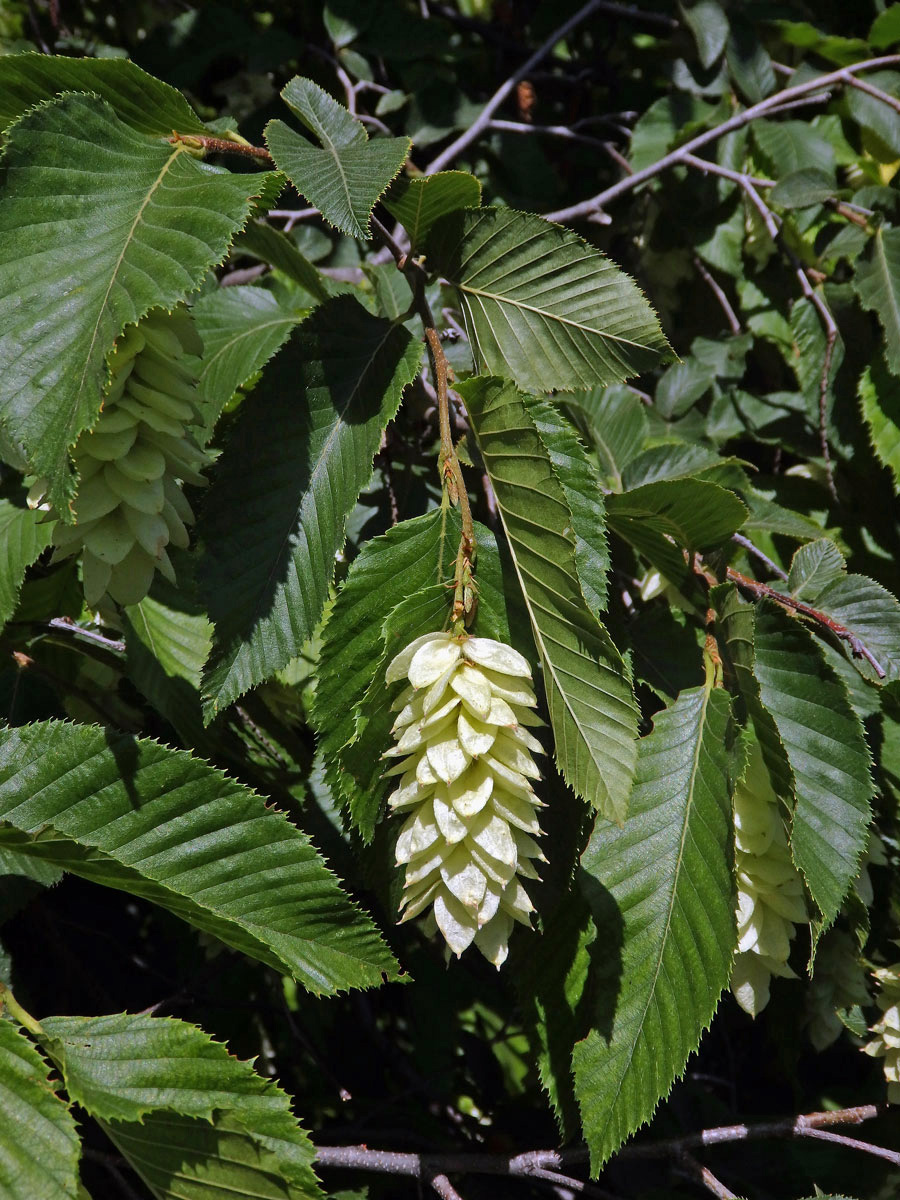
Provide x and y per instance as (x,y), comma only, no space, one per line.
(709,26)
(664,518)
(617,426)
(39,1144)
(167,640)
(141,101)
(879,398)
(269,245)
(115,221)
(588,693)
(584,496)
(22,538)
(311,438)
(542,307)
(160,824)
(826,748)
(345,178)
(241,328)
(868,611)
(814,566)
(417,202)
(803,188)
(663,949)
(124,1068)
(877,284)
(187,1158)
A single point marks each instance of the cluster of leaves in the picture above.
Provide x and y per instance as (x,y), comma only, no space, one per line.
(706,551)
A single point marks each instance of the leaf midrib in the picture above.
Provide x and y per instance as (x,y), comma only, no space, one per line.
(88,358)
(676,874)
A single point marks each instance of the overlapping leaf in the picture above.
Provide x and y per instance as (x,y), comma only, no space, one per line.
(117,222)
(311,441)
(161,824)
(668,875)
(39,1147)
(868,613)
(241,328)
(417,202)
(584,497)
(826,748)
(167,639)
(344,178)
(413,555)
(141,101)
(542,307)
(22,538)
(139,1074)
(588,694)
(877,284)
(879,396)
(261,241)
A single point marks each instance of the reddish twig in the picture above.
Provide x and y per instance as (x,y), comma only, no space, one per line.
(703,1175)
(760,590)
(216,145)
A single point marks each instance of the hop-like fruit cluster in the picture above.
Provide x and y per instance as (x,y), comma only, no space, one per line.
(886,1043)
(839,983)
(130,505)
(770,892)
(465,784)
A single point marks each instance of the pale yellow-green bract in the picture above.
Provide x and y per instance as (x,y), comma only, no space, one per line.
(465,787)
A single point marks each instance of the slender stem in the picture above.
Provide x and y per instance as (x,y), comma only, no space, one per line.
(483,119)
(724,303)
(448,462)
(762,590)
(829,325)
(69,626)
(808,92)
(18,1013)
(763,558)
(703,1175)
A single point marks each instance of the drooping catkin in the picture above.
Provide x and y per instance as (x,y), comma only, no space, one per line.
(465,787)
(133,462)
(770,897)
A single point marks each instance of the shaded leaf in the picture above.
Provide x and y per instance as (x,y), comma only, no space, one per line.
(417,202)
(141,101)
(22,538)
(241,328)
(167,640)
(804,188)
(588,693)
(877,284)
(311,439)
(39,1145)
(409,557)
(617,425)
(542,307)
(124,1067)
(116,220)
(163,825)
(584,497)
(668,874)
(269,245)
(709,26)
(825,746)
(879,397)
(346,177)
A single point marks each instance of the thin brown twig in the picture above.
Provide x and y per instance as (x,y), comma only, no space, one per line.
(216,145)
(704,1176)
(724,303)
(761,590)
(448,462)
(804,92)
(757,553)
(829,325)
(482,121)
(67,625)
